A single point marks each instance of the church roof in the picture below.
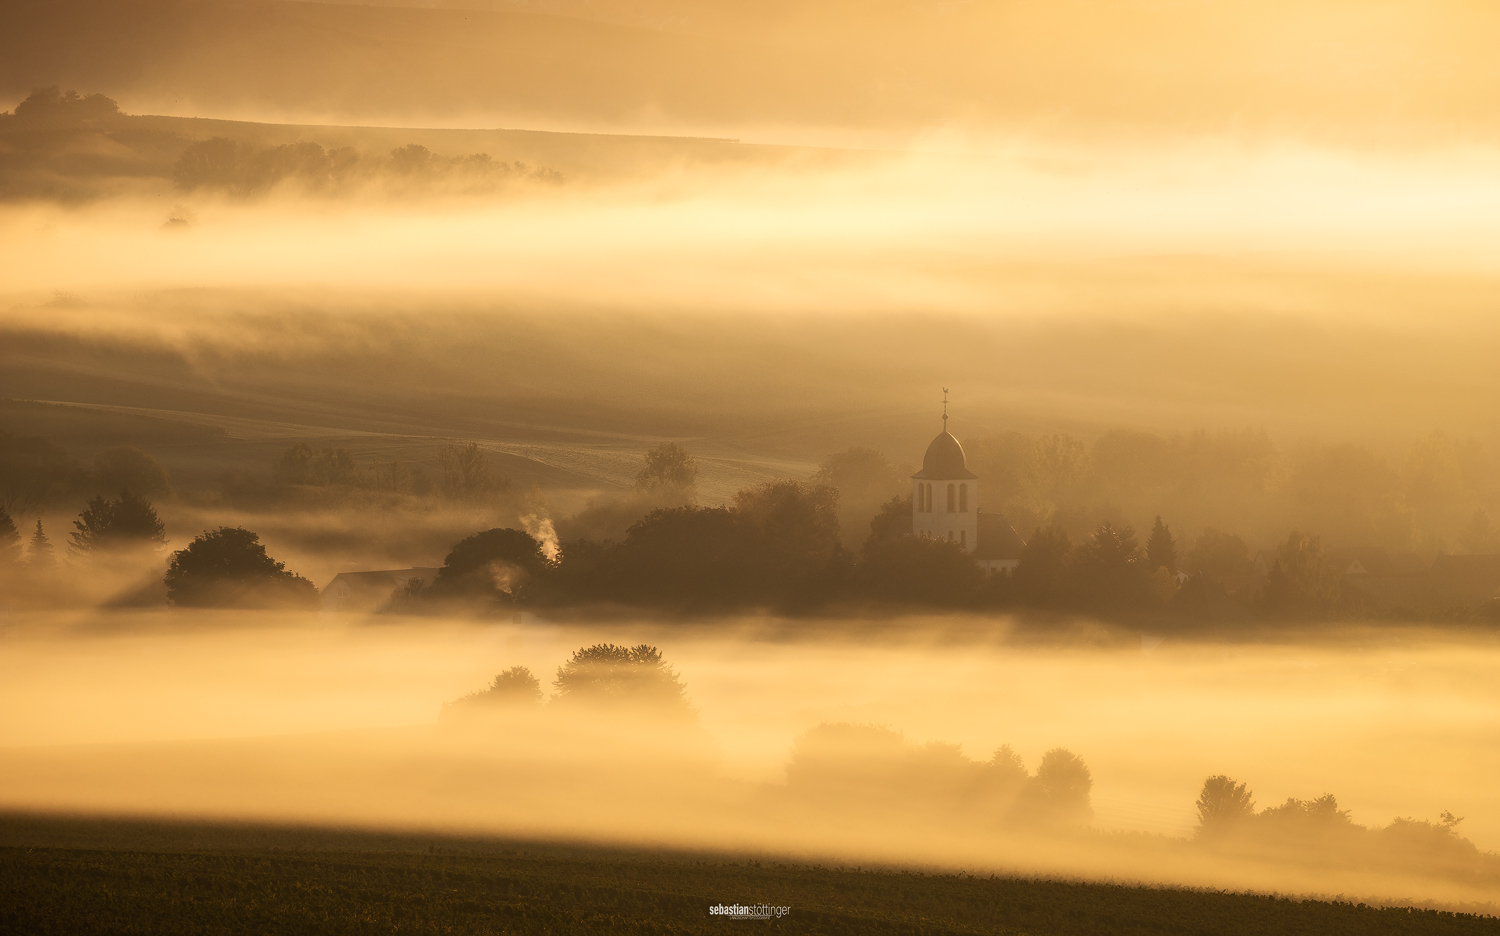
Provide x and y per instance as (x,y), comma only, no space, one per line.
(944,460)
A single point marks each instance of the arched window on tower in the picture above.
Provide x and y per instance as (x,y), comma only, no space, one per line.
(963,498)
(951,494)
(927,497)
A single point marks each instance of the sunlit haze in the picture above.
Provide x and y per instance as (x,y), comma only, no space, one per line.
(1043,440)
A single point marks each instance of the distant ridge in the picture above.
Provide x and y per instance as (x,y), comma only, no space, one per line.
(1322,69)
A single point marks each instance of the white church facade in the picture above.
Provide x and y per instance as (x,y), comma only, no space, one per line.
(945,505)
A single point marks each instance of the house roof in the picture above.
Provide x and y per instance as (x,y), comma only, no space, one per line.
(380,580)
(997,538)
(1370,560)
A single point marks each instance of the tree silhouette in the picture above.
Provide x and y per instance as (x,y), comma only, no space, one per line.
(1042,574)
(1301,584)
(668,467)
(229,567)
(300,464)
(1223,806)
(495,564)
(892,520)
(1161,549)
(630,678)
(1062,785)
(10,541)
(921,570)
(1110,571)
(412,159)
(465,474)
(865,480)
(127,468)
(33,471)
(40,557)
(514,688)
(694,556)
(1218,555)
(125,522)
(217,162)
(53,102)
(792,533)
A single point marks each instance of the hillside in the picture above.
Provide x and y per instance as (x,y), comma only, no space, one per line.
(81,159)
(1330,69)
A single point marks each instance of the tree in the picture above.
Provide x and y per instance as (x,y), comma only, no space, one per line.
(684,556)
(1218,555)
(1204,600)
(300,464)
(892,520)
(412,159)
(921,570)
(295,466)
(791,531)
(495,564)
(1223,806)
(465,474)
(669,467)
(1042,574)
(1058,465)
(34,471)
(128,521)
(53,102)
(1301,584)
(1161,549)
(10,541)
(864,480)
(217,162)
(127,468)
(40,557)
(622,678)
(1110,570)
(1060,790)
(513,689)
(229,567)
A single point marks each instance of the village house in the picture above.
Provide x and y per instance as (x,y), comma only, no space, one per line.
(362,592)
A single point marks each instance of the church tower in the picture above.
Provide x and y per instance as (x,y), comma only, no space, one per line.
(945,493)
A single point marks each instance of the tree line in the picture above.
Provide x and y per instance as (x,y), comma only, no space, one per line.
(780,545)
(246,169)
(1438,493)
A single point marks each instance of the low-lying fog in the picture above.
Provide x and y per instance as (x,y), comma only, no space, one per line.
(318,720)
(861,232)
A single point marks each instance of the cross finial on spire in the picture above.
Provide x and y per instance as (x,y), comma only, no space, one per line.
(945,409)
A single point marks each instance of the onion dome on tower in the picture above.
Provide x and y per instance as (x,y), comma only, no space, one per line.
(945,493)
(944,460)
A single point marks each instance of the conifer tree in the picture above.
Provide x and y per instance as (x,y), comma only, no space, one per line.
(10,540)
(40,558)
(1161,549)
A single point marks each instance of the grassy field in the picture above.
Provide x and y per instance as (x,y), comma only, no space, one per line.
(70,875)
